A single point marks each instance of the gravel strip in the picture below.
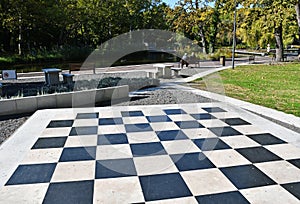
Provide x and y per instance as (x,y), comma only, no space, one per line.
(8,125)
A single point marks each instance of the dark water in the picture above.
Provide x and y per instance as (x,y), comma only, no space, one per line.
(143,57)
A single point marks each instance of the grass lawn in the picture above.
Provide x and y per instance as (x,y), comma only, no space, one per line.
(273,86)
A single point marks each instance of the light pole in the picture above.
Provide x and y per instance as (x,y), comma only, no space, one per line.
(234,35)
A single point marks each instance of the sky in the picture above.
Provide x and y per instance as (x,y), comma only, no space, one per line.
(170,2)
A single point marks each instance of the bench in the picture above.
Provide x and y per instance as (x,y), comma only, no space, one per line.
(285,57)
(163,70)
(251,59)
(82,67)
(195,62)
(176,71)
(152,74)
(67,78)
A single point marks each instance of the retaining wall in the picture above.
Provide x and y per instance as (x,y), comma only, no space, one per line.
(62,100)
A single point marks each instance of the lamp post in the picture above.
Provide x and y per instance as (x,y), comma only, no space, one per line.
(234,35)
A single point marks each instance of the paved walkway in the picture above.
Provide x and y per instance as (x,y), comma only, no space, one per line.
(184,153)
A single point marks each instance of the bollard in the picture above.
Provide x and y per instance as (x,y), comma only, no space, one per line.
(222,60)
(1,85)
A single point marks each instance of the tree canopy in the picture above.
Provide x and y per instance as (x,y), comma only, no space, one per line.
(28,25)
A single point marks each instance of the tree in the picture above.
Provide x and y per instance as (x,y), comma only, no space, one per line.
(196,20)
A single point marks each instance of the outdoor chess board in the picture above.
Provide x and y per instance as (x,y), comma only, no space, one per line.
(189,153)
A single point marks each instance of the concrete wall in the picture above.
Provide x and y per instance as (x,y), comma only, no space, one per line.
(98,76)
(62,100)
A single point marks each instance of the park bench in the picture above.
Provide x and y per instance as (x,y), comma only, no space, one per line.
(251,59)
(163,70)
(82,67)
(67,78)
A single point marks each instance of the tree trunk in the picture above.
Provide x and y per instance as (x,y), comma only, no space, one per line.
(279,43)
(203,40)
(297,8)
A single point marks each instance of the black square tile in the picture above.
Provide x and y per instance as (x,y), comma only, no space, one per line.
(143,127)
(293,188)
(224,131)
(171,135)
(174,111)
(203,116)
(112,139)
(266,139)
(33,173)
(115,168)
(214,110)
(159,118)
(189,124)
(110,121)
(191,161)
(165,186)
(87,115)
(223,198)
(147,149)
(247,176)
(78,153)
(132,113)
(60,123)
(258,154)
(209,144)
(51,142)
(236,121)
(88,130)
(295,162)
(79,192)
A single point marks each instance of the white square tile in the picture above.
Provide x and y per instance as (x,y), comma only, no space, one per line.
(248,129)
(113,152)
(145,137)
(85,122)
(30,193)
(65,116)
(185,200)
(240,142)
(109,114)
(198,133)
(82,141)
(181,117)
(154,165)
(134,120)
(193,109)
(212,123)
(285,151)
(111,129)
(153,111)
(280,171)
(226,158)
(118,190)
(207,181)
(223,115)
(180,146)
(55,132)
(274,194)
(161,126)
(74,171)
(39,156)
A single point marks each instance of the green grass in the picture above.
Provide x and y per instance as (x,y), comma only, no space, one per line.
(273,86)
